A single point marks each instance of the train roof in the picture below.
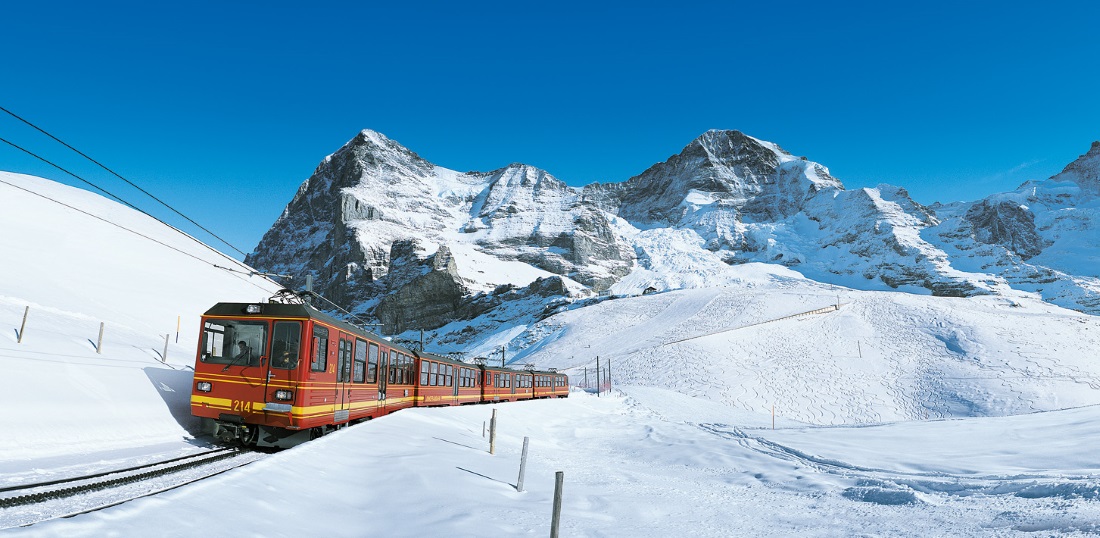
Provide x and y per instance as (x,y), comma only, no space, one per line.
(281,310)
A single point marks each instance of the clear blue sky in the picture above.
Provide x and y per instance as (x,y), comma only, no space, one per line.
(224,108)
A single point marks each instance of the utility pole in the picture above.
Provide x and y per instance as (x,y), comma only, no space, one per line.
(598,376)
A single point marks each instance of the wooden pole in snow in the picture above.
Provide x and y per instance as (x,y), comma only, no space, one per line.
(522,465)
(597,376)
(559,480)
(99,343)
(178,329)
(493,433)
(164,356)
(23,327)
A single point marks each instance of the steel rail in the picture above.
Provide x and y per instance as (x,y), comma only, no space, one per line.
(170,466)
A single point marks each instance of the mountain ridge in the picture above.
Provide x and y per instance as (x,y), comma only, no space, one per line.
(375,208)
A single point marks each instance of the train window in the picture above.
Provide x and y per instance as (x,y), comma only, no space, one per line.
(359,372)
(233,342)
(372,363)
(450,375)
(423,373)
(393,373)
(435,374)
(285,345)
(344,358)
(320,349)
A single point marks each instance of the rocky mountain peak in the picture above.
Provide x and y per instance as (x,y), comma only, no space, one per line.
(724,146)
(1085,171)
(757,179)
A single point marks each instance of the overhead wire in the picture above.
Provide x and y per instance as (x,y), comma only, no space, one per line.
(249,271)
(139,234)
(116,174)
(127,204)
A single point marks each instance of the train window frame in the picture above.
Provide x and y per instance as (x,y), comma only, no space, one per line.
(372,362)
(319,362)
(216,334)
(433,375)
(359,371)
(424,367)
(344,360)
(285,352)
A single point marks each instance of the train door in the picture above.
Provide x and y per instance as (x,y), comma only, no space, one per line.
(280,370)
(343,379)
(383,375)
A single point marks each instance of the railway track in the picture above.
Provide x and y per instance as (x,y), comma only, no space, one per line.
(27,504)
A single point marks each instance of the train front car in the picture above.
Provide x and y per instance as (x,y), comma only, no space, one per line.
(248,373)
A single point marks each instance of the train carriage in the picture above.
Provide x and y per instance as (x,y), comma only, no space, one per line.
(498,384)
(276,374)
(445,381)
(550,384)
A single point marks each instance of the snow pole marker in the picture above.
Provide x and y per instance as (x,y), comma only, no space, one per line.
(178,329)
(598,376)
(99,343)
(559,480)
(493,433)
(522,465)
(23,327)
(164,356)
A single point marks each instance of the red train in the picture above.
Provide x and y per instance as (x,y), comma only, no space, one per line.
(273,374)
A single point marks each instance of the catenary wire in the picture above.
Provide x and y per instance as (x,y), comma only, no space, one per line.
(124,202)
(139,234)
(116,174)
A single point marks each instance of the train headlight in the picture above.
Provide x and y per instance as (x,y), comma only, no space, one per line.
(284,395)
(203,386)
(253,309)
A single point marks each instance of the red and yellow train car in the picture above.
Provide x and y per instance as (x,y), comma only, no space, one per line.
(445,381)
(275,374)
(267,372)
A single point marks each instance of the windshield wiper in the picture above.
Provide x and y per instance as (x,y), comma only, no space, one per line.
(234,361)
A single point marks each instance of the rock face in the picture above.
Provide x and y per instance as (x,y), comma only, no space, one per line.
(1007,224)
(389,235)
(756,180)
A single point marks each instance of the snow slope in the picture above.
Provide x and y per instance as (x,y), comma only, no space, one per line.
(77,260)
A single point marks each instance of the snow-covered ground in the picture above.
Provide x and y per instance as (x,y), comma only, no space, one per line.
(897,415)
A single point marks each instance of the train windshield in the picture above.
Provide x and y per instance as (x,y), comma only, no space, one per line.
(233,342)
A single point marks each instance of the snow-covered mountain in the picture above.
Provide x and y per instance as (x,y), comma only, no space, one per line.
(418,246)
(1043,237)
(680,461)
